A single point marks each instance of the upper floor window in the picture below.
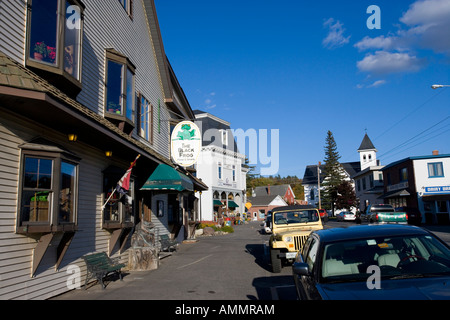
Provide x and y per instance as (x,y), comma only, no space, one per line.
(145,119)
(128,6)
(219,170)
(435,170)
(403,174)
(120,93)
(224,136)
(54,37)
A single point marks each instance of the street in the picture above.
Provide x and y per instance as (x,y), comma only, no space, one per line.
(228,267)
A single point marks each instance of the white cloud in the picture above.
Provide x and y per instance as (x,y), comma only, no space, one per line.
(383,62)
(427,25)
(380,42)
(335,37)
(377,84)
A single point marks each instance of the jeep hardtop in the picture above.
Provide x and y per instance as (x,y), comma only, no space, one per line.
(291,226)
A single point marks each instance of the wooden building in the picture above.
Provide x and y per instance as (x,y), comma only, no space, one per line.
(85,87)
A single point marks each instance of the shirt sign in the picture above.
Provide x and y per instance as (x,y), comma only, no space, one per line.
(186,143)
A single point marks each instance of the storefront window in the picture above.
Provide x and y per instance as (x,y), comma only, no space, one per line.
(67,193)
(442,206)
(118,208)
(37,190)
(48,192)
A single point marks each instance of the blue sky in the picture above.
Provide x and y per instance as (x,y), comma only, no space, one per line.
(306,67)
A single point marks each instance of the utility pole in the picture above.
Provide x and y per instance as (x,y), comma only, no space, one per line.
(318,184)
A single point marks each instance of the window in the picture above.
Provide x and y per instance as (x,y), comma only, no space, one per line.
(219,168)
(118,212)
(224,135)
(120,93)
(358,183)
(435,170)
(234,173)
(48,191)
(54,36)
(403,174)
(145,119)
(128,6)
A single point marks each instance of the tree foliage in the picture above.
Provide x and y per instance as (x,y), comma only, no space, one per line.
(333,172)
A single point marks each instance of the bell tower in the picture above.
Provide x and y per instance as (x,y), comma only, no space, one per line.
(367,153)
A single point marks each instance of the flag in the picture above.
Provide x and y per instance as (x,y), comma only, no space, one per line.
(124,183)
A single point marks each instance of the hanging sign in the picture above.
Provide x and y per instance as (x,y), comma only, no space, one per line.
(186,143)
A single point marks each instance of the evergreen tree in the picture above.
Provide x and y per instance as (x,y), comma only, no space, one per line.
(346,197)
(333,172)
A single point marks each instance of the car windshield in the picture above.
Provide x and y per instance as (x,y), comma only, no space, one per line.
(396,257)
(297,216)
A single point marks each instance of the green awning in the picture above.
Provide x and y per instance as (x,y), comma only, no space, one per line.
(167,178)
(218,203)
(232,204)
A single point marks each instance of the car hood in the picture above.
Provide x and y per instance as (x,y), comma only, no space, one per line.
(405,289)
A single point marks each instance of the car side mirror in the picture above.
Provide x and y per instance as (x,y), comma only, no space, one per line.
(300,269)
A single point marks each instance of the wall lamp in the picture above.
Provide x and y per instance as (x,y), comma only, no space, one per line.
(108,153)
(72,137)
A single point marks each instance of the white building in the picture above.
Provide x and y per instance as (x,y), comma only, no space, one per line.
(420,183)
(313,173)
(369,181)
(222,168)
(80,97)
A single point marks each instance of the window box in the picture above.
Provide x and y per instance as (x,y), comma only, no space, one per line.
(54,42)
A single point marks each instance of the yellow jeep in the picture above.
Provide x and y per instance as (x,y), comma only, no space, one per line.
(291,226)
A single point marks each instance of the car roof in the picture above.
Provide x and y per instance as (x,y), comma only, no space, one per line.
(368,231)
(293,208)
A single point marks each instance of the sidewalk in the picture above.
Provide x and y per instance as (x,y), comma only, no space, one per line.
(217,267)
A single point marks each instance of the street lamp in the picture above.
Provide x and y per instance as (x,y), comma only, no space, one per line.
(437,86)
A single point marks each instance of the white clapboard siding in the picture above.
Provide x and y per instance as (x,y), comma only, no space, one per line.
(16,251)
(107,25)
(12,27)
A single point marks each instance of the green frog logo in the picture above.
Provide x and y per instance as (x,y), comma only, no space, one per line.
(186,133)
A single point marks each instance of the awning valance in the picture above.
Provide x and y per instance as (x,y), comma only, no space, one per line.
(167,178)
(232,204)
(218,203)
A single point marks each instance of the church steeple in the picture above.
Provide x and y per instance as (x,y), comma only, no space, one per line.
(367,153)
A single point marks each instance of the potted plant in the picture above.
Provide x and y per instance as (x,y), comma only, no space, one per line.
(40,51)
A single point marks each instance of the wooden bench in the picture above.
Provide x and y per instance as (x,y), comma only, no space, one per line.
(167,244)
(99,266)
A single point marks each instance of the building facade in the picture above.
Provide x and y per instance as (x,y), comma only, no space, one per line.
(85,87)
(420,183)
(315,173)
(284,191)
(369,181)
(222,168)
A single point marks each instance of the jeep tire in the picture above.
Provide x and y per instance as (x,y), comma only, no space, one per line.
(275,261)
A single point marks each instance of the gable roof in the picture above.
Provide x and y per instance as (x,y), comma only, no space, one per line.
(366,144)
(264,201)
(310,176)
(274,190)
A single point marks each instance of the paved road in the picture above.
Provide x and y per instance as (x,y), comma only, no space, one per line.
(228,267)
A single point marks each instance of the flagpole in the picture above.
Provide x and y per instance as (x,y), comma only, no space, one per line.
(112,193)
(104,205)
